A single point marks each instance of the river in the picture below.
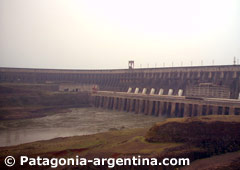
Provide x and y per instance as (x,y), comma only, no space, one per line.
(78,121)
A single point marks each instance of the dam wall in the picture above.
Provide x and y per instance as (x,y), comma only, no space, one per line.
(208,79)
(165,105)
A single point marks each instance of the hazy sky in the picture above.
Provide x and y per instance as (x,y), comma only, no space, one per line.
(104,34)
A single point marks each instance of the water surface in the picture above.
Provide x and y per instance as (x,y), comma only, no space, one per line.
(78,121)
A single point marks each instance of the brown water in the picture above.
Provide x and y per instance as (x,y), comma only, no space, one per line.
(78,121)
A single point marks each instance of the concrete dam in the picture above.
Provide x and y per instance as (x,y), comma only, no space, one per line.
(168,91)
(165,105)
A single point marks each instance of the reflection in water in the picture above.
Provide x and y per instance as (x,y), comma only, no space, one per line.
(79,121)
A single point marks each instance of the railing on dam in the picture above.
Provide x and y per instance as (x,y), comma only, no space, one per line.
(165,105)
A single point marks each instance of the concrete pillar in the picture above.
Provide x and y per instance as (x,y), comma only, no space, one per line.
(157,103)
(152,91)
(150,107)
(160,92)
(195,110)
(136,90)
(119,103)
(168,109)
(165,108)
(177,110)
(144,91)
(231,111)
(161,108)
(100,101)
(115,103)
(118,107)
(204,110)
(186,110)
(215,110)
(228,77)
(112,102)
(235,74)
(170,92)
(122,104)
(132,105)
(199,75)
(124,107)
(209,75)
(129,90)
(200,108)
(141,106)
(95,101)
(209,110)
(128,105)
(109,103)
(220,110)
(178,75)
(222,75)
(173,108)
(181,75)
(105,102)
(191,107)
(181,110)
(137,107)
(146,105)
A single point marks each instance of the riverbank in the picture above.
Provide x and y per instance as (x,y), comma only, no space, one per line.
(73,122)
(134,142)
(21,101)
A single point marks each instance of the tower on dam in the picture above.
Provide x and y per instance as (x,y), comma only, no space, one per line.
(202,81)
